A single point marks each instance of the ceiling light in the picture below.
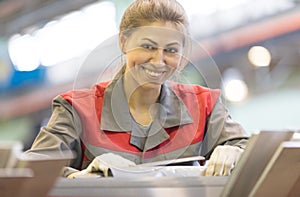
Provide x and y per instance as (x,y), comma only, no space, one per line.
(259,56)
(236,90)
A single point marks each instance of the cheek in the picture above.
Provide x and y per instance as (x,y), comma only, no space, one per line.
(173,61)
(136,58)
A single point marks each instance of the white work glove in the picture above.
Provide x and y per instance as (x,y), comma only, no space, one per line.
(223,160)
(102,164)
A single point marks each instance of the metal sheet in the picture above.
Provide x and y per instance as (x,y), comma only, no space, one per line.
(146,187)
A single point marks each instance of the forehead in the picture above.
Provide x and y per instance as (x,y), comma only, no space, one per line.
(161,33)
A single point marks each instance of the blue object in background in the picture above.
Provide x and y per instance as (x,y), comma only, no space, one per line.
(14,80)
(21,79)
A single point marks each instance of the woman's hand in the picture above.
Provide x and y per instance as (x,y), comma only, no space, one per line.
(102,164)
(223,160)
(82,174)
(105,161)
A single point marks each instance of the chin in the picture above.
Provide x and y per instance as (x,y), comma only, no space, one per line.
(152,85)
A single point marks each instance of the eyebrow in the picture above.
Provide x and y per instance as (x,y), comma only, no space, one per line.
(155,43)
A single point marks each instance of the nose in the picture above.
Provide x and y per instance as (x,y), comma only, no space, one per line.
(158,56)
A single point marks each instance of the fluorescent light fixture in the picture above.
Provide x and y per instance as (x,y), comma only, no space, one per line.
(61,40)
(23,52)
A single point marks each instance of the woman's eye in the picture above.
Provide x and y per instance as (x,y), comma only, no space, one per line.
(171,50)
(148,46)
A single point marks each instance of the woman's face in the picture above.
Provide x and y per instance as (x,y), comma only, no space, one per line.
(153,53)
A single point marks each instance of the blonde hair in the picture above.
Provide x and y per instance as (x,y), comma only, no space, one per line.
(143,12)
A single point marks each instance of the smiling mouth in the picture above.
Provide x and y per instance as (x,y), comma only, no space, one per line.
(153,73)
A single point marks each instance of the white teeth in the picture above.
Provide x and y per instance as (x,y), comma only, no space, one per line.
(154,74)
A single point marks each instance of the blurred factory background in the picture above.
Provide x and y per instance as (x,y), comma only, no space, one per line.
(255,45)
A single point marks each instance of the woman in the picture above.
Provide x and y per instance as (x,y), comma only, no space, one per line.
(140,115)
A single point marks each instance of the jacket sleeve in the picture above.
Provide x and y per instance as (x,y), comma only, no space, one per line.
(61,134)
(221,129)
